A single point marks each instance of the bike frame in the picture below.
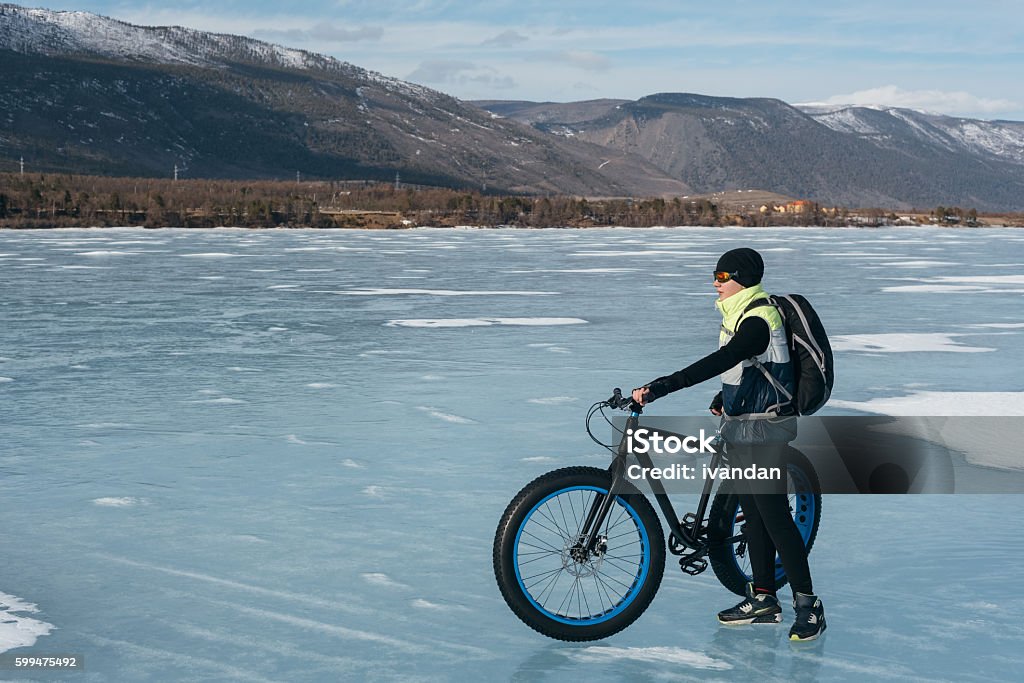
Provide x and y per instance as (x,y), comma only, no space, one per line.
(689,532)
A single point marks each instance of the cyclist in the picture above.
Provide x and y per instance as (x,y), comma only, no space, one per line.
(750,404)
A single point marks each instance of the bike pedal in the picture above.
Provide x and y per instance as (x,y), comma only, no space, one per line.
(693,566)
(689,521)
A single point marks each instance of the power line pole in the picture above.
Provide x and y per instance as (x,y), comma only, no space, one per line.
(398,184)
(23,166)
(175,171)
(298,178)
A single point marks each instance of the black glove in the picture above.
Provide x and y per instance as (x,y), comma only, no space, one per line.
(716,402)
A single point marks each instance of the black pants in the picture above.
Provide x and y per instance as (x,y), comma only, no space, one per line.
(769,523)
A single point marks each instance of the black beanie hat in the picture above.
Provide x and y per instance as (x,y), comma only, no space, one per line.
(746,263)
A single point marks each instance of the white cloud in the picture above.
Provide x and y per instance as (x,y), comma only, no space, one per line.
(590,61)
(587,60)
(459,72)
(508,38)
(928,100)
(323,33)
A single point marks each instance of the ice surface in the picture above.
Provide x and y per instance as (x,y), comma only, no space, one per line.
(335,522)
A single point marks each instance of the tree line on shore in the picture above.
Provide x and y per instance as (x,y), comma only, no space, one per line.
(50,201)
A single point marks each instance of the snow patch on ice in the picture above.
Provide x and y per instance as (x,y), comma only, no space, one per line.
(920,264)
(575,270)
(420,603)
(16,629)
(553,400)
(349,462)
(447,417)
(660,655)
(6,379)
(942,403)
(952,284)
(321,385)
(644,252)
(123,502)
(383,291)
(910,342)
(379,579)
(482,322)
(223,400)
(938,289)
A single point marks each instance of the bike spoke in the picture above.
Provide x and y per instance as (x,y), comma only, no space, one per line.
(583,511)
(564,534)
(612,578)
(600,595)
(545,528)
(523,564)
(619,557)
(618,520)
(539,540)
(586,603)
(548,586)
(568,597)
(604,587)
(629,572)
(561,510)
(543,573)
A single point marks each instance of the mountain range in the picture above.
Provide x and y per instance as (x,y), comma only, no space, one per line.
(88,94)
(860,156)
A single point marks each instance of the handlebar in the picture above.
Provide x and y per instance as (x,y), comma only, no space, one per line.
(620,402)
(617,402)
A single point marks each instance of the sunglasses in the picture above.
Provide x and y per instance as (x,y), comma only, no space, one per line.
(723,276)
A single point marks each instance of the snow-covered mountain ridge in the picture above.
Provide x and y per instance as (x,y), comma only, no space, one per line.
(50,32)
(887,125)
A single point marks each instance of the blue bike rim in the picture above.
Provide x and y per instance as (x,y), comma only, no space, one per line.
(638,580)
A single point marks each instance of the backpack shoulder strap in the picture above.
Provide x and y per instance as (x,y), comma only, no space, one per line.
(756,303)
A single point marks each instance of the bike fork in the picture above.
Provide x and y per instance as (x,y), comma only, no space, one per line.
(598,513)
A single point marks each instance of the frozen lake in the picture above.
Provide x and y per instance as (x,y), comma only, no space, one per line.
(281,455)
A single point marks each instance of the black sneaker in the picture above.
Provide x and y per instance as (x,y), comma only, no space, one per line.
(756,608)
(810,617)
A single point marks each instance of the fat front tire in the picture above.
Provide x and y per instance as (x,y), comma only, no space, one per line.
(729,559)
(550,583)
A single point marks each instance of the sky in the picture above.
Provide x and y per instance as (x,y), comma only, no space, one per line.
(958,58)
